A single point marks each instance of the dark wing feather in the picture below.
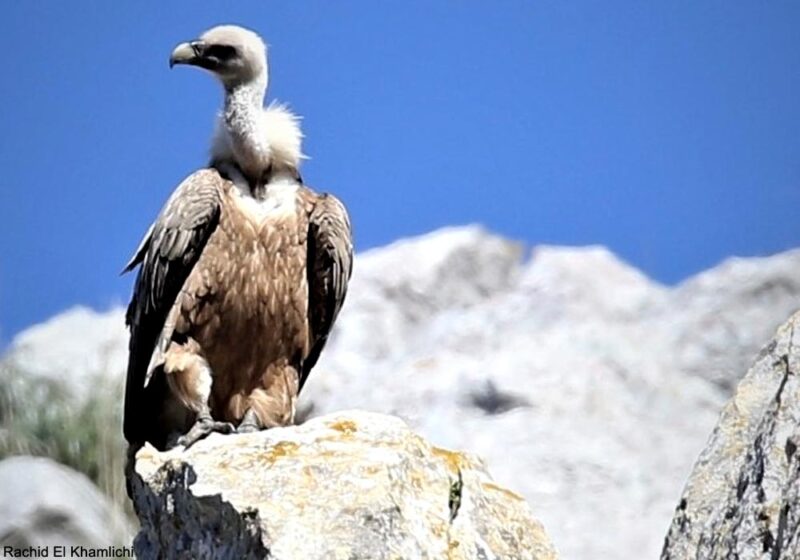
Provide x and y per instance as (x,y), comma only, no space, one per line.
(167,255)
(330,263)
(141,251)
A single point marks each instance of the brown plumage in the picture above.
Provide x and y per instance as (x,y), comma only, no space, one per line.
(225,298)
(242,274)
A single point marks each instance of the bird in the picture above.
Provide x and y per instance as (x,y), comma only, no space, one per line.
(242,274)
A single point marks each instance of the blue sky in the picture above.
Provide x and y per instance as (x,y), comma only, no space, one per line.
(668,131)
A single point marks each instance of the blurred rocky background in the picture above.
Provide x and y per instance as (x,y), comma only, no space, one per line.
(584,385)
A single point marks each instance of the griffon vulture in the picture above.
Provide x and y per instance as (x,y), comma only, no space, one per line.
(242,274)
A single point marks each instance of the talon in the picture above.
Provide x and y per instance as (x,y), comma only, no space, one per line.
(246,428)
(250,423)
(202,428)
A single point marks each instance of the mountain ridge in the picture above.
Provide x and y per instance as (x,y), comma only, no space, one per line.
(586,385)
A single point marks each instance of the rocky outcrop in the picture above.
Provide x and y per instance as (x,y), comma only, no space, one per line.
(719,318)
(74,352)
(44,504)
(743,498)
(352,486)
(585,385)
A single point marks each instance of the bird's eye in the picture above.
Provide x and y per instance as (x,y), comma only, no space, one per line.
(221,52)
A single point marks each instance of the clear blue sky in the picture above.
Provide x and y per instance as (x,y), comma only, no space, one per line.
(669,131)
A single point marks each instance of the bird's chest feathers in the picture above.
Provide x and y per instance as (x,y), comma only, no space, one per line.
(257,262)
(278,204)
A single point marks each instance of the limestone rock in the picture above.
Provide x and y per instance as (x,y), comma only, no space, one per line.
(722,316)
(43,503)
(616,380)
(353,485)
(76,351)
(743,498)
(395,290)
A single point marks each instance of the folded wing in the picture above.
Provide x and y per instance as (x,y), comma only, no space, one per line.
(330,263)
(167,255)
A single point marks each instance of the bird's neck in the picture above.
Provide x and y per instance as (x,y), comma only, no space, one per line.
(241,118)
(243,100)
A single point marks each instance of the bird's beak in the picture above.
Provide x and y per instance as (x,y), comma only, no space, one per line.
(187,53)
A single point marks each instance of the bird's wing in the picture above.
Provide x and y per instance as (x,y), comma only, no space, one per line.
(167,255)
(330,263)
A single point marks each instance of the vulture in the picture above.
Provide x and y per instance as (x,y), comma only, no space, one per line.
(242,274)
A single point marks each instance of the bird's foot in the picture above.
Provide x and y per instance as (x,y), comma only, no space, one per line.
(202,428)
(250,423)
(247,428)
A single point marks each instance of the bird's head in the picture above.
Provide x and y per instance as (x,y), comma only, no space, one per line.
(235,55)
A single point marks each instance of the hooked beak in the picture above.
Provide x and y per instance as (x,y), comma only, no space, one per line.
(187,53)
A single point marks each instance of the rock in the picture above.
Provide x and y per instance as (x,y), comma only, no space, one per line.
(721,317)
(596,416)
(353,485)
(582,278)
(396,289)
(43,503)
(76,350)
(585,385)
(742,499)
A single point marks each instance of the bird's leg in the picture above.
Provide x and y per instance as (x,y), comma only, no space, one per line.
(272,404)
(190,378)
(250,423)
(204,426)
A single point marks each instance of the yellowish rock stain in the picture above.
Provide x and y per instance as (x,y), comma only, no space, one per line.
(505,491)
(372,469)
(453,459)
(347,427)
(452,549)
(281,449)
